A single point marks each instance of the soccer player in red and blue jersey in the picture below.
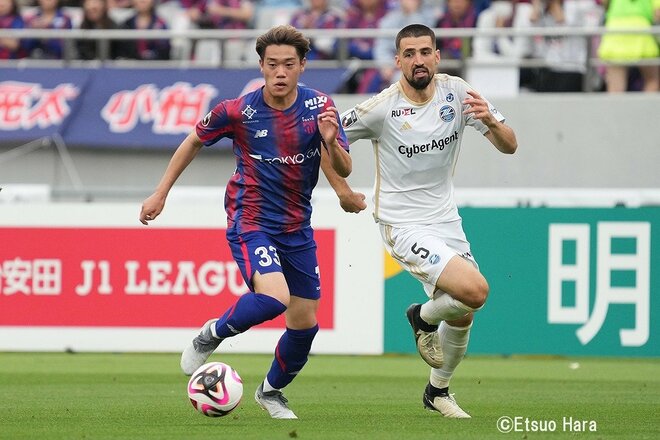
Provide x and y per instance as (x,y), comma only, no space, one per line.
(280,132)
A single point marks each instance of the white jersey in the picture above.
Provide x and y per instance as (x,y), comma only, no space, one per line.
(416,147)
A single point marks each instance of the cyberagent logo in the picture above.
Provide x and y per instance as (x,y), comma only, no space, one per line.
(435,144)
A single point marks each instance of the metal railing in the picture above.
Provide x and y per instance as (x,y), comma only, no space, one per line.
(104,37)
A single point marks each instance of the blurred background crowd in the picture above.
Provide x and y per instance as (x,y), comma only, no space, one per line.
(631,59)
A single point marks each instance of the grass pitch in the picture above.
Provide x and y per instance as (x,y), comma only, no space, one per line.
(143,396)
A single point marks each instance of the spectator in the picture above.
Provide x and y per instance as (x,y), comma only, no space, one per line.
(408,12)
(10,18)
(319,15)
(566,56)
(112,4)
(95,16)
(630,48)
(459,14)
(225,14)
(145,18)
(363,14)
(503,14)
(512,14)
(48,15)
(272,13)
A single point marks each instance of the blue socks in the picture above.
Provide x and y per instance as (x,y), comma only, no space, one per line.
(293,347)
(290,356)
(250,309)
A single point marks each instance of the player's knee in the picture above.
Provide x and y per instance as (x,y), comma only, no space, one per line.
(477,293)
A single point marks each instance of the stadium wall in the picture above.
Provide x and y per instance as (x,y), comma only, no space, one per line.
(90,277)
(571,273)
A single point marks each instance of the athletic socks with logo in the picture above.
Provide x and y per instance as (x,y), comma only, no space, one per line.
(250,309)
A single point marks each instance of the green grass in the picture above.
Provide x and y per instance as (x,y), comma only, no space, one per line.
(142,396)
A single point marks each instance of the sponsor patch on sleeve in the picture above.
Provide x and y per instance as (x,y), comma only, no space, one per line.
(349,119)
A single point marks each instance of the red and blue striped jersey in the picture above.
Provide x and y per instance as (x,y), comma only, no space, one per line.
(278,154)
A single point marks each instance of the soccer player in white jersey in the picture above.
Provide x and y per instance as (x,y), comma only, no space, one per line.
(416,128)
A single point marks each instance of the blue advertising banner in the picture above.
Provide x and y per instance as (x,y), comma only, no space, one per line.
(128,108)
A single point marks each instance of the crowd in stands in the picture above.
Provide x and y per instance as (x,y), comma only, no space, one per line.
(564,56)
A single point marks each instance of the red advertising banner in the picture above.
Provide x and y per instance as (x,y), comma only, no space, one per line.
(129,277)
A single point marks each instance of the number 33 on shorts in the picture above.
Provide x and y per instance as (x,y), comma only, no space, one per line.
(267,256)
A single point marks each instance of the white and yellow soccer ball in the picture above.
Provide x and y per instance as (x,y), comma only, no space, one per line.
(215,389)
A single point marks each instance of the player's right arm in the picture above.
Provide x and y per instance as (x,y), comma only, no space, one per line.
(184,154)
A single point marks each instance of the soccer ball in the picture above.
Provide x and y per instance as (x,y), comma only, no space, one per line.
(215,389)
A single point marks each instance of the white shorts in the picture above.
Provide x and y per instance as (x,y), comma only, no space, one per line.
(425,250)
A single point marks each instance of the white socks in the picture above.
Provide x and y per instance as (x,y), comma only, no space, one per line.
(268,386)
(454,342)
(443,308)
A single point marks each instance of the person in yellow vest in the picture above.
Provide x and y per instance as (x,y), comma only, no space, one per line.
(630,48)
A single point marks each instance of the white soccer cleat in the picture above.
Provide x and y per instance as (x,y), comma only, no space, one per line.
(274,402)
(199,350)
(445,404)
(427,342)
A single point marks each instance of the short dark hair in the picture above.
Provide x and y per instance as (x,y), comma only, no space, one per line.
(283,35)
(413,31)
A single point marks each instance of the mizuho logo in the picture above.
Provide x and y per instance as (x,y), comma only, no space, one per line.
(439,144)
(294,159)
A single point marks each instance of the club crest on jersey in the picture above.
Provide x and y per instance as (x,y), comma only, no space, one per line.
(309,124)
(316,102)
(447,113)
(402,112)
(206,120)
(349,119)
(248,111)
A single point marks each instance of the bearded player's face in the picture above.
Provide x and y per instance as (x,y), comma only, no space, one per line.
(418,60)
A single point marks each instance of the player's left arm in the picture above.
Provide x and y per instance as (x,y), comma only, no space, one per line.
(328,122)
(499,134)
(349,200)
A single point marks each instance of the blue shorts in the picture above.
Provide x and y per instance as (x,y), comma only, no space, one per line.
(293,254)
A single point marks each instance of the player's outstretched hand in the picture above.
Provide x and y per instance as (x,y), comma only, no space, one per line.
(352,202)
(151,207)
(328,124)
(478,107)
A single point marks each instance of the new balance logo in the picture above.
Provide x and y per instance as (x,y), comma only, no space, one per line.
(261,134)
